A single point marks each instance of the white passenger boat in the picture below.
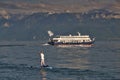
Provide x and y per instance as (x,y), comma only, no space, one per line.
(71,40)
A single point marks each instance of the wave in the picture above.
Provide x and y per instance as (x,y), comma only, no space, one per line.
(17,67)
(45,44)
(12,45)
(80,74)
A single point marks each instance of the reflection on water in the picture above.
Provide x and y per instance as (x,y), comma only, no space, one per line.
(73,57)
(43,74)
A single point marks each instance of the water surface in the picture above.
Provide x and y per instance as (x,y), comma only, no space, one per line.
(22,62)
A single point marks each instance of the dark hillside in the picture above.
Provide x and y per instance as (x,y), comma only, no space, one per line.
(35,26)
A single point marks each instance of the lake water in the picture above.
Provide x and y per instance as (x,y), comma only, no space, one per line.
(22,62)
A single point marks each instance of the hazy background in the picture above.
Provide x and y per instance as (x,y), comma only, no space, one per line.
(26,20)
(62,1)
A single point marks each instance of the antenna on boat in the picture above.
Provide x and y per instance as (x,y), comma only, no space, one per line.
(78,33)
(50,33)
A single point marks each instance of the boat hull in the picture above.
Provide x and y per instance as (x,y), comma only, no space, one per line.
(80,43)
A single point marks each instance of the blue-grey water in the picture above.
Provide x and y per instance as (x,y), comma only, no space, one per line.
(22,62)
